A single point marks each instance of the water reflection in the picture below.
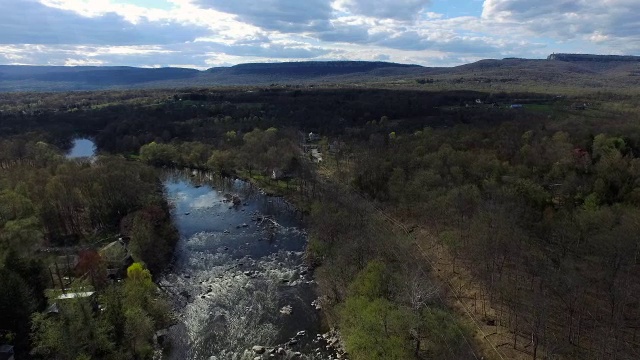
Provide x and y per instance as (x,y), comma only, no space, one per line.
(237,271)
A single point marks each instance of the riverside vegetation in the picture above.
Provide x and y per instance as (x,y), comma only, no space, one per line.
(443,224)
(52,208)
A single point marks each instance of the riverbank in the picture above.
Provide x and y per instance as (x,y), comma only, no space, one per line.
(287,189)
(330,336)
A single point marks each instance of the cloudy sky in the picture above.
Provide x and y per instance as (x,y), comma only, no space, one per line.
(208,33)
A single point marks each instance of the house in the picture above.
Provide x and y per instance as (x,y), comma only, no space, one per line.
(277,174)
(58,300)
(76,295)
(6,352)
(52,310)
(316,155)
(308,147)
(313,137)
(117,258)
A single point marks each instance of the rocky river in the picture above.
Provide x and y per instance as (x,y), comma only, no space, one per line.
(238,282)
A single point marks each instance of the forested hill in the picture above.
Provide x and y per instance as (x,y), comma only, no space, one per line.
(560,71)
(312,68)
(83,77)
(591,57)
(61,78)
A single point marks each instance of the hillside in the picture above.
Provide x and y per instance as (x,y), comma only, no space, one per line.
(590,57)
(311,68)
(60,78)
(560,72)
(83,77)
(534,75)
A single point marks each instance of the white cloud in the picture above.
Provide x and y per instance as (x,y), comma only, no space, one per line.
(609,26)
(593,20)
(206,33)
(30,22)
(385,9)
(278,15)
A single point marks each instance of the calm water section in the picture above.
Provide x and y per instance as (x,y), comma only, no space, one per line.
(238,279)
(82,148)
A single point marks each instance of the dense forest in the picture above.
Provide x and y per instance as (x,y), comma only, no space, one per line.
(453,224)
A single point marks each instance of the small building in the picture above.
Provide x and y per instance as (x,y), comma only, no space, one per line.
(277,174)
(117,257)
(76,295)
(60,300)
(308,147)
(517,106)
(313,137)
(316,155)
(53,310)
(6,352)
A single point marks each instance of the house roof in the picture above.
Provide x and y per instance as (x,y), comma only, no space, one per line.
(77,295)
(114,252)
(6,349)
(53,309)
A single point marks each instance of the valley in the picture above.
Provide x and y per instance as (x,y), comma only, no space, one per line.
(414,217)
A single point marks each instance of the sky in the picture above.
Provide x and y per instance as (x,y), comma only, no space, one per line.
(209,33)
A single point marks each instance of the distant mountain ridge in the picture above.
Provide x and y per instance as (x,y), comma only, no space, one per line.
(104,76)
(61,78)
(591,57)
(311,68)
(567,70)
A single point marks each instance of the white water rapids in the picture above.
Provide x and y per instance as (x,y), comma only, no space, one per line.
(238,279)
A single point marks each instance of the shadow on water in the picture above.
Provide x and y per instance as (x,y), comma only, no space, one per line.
(237,279)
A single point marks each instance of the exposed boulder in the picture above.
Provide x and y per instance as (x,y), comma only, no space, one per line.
(258,349)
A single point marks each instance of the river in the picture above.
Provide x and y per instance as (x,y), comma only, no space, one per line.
(238,278)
